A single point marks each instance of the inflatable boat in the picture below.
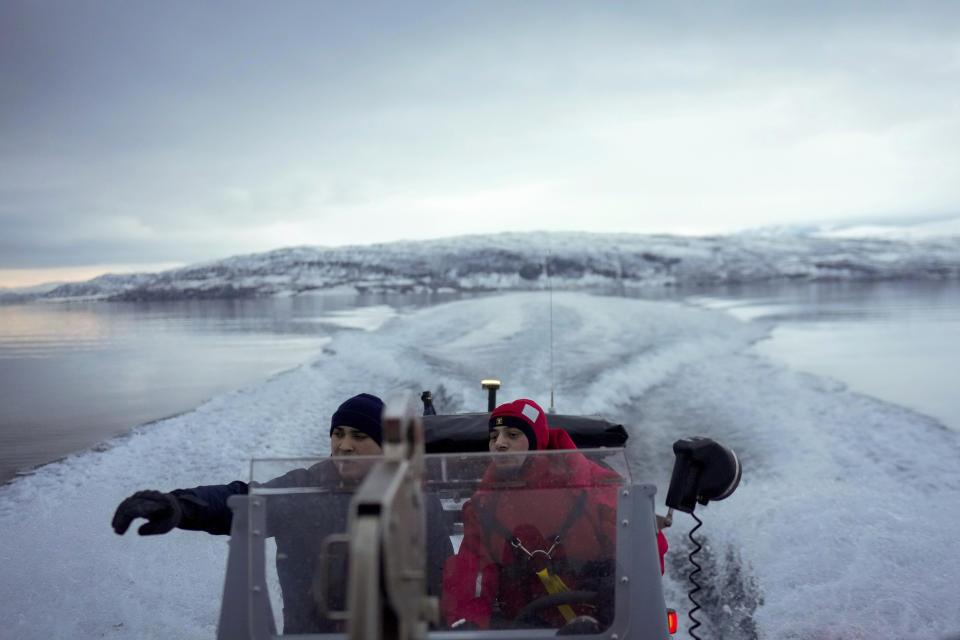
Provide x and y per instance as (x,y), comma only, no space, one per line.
(369,581)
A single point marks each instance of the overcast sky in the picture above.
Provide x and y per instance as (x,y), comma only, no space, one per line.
(144,134)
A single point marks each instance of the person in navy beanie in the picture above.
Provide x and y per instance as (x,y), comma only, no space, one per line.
(298,521)
(361,413)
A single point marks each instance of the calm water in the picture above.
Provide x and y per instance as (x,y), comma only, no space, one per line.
(896,341)
(73,375)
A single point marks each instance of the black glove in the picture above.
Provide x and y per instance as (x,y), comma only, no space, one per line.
(161,509)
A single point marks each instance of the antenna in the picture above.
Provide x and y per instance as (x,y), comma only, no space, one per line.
(491,386)
(552,409)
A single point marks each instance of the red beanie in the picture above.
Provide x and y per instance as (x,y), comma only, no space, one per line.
(527,416)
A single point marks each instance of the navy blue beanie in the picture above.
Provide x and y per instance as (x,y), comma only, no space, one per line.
(361,412)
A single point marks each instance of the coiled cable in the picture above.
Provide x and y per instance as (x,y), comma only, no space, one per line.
(696,585)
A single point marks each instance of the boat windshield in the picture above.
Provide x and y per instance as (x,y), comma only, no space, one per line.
(533,536)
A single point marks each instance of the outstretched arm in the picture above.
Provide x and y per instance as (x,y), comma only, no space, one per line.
(198,509)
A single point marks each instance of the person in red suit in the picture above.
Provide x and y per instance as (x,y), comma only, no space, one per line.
(537,527)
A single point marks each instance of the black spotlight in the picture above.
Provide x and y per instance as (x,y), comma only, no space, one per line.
(703,471)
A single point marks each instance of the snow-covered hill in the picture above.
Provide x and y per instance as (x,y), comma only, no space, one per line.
(530,261)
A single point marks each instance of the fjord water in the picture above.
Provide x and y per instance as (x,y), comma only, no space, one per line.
(896,341)
(841,526)
(75,374)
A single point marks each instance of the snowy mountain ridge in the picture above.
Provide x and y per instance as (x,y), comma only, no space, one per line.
(534,260)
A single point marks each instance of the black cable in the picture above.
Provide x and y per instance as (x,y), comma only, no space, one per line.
(696,585)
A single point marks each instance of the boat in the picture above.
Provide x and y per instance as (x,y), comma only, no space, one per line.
(427,456)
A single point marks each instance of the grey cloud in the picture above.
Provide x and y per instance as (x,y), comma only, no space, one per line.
(28,248)
(192,119)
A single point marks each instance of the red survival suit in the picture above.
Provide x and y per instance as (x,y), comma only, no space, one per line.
(550,526)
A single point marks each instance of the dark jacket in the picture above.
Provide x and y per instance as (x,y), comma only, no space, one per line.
(299,522)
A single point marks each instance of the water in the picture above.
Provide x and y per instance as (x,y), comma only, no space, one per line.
(841,527)
(73,375)
(897,341)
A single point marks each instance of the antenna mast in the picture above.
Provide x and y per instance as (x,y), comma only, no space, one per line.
(552,409)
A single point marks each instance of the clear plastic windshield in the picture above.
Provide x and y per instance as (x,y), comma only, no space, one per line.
(513,541)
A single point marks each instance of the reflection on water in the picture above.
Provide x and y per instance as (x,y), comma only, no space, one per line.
(75,374)
(33,332)
(72,375)
(898,341)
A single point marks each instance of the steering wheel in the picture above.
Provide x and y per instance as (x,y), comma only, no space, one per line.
(526,615)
